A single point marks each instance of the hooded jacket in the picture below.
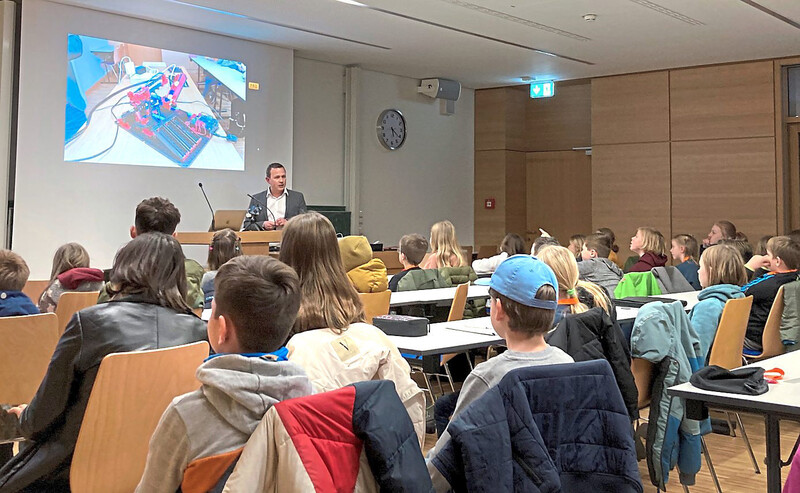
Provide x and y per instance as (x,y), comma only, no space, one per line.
(367,274)
(707,312)
(790,319)
(354,439)
(637,284)
(648,261)
(361,352)
(663,335)
(16,303)
(81,279)
(202,433)
(602,272)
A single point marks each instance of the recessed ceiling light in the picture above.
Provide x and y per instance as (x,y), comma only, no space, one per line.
(352,2)
(586,17)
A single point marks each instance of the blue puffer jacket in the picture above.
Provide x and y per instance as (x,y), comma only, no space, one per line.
(663,335)
(706,313)
(544,429)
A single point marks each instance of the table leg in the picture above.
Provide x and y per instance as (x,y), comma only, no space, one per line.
(773,436)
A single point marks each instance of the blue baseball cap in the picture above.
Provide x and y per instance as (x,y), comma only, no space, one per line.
(519,278)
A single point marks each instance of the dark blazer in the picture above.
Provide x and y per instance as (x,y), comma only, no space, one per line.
(257,213)
(53,418)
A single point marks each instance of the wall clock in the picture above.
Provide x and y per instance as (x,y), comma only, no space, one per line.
(391,129)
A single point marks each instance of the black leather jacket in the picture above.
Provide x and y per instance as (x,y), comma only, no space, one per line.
(54,416)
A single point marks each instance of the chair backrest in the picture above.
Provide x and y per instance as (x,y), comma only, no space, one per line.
(486,251)
(643,377)
(726,351)
(467,252)
(459,302)
(670,280)
(771,343)
(390,259)
(72,302)
(129,395)
(375,304)
(27,344)
(34,289)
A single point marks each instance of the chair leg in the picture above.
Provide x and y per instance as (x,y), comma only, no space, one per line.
(428,385)
(685,488)
(730,424)
(747,442)
(710,465)
(449,377)
(469,361)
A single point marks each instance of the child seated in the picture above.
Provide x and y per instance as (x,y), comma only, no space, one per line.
(542,242)
(783,259)
(202,433)
(512,244)
(446,249)
(14,274)
(595,266)
(225,245)
(575,246)
(721,274)
(367,274)
(685,251)
(649,245)
(411,251)
(71,272)
(523,302)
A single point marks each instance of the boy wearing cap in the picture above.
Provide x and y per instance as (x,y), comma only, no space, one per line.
(523,302)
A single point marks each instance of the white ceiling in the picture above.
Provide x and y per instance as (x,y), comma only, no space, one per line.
(485,43)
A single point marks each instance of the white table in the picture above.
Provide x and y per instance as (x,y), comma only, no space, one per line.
(231,78)
(782,401)
(628,314)
(435,296)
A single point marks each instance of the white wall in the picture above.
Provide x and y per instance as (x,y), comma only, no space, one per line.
(58,202)
(319,131)
(429,179)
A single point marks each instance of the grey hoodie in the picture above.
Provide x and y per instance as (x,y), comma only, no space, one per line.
(214,422)
(602,272)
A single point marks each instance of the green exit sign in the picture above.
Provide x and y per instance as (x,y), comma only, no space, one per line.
(543,89)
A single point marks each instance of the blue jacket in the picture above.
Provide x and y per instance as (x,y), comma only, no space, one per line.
(689,270)
(706,313)
(544,429)
(663,335)
(16,303)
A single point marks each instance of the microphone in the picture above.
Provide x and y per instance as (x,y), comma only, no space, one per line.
(209,205)
(262,204)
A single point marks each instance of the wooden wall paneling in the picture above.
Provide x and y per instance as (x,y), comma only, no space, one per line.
(782,175)
(559,193)
(516,193)
(516,98)
(490,119)
(731,179)
(630,108)
(630,189)
(722,101)
(490,182)
(561,122)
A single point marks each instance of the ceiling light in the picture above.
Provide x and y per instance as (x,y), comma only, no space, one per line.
(352,2)
(586,17)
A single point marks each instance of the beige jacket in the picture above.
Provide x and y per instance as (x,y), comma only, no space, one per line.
(362,352)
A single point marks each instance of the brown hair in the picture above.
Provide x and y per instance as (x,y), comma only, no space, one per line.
(745,249)
(565,267)
(612,238)
(156,214)
(527,319)
(761,248)
(786,249)
(727,228)
(329,299)
(261,296)
(414,247)
(271,167)
(68,256)
(600,243)
(225,245)
(577,241)
(653,241)
(543,241)
(689,243)
(724,265)
(14,271)
(151,266)
(513,244)
(445,245)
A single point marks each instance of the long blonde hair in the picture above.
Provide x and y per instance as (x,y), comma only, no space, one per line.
(444,244)
(653,241)
(724,265)
(565,267)
(329,300)
(68,256)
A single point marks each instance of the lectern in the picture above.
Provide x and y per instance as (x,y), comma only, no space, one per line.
(253,242)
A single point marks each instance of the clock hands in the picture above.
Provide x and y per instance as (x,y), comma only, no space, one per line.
(393,132)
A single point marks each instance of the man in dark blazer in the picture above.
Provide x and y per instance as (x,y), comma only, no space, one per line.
(271,208)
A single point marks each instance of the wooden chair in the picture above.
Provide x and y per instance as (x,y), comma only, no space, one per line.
(486,251)
(375,304)
(467,252)
(72,302)
(27,344)
(129,395)
(459,303)
(642,370)
(390,259)
(771,344)
(34,289)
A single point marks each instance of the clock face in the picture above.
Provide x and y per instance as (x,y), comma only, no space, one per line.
(391,129)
